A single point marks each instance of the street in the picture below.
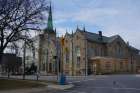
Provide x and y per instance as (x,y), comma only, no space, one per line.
(108,84)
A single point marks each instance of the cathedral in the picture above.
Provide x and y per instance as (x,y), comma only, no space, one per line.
(83,52)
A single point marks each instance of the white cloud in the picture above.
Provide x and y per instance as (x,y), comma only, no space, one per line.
(114,17)
(113,22)
(95,16)
(127,34)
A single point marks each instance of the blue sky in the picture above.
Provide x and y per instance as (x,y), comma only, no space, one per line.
(110,16)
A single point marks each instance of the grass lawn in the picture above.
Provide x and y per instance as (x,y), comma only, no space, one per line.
(18,84)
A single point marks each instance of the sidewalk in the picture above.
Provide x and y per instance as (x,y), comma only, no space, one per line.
(60,87)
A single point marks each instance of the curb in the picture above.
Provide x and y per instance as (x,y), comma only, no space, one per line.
(61,87)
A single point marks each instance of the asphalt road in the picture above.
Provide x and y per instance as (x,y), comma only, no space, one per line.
(108,84)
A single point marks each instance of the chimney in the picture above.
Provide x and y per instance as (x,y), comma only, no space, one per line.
(127,43)
(84,29)
(100,35)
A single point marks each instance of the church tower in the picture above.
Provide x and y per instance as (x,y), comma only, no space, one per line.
(48,46)
(49,29)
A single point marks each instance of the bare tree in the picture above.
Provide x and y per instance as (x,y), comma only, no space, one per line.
(18,16)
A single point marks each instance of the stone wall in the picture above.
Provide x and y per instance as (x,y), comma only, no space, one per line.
(104,65)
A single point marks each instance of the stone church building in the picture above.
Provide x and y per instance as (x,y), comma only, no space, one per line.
(90,53)
(83,53)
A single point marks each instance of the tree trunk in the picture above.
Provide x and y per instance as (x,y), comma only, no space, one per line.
(8,72)
(1,54)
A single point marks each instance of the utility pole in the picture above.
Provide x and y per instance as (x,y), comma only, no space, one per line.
(47,63)
(72,56)
(24,59)
(131,61)
(86,62)
(24,56)
(57,59)
(62,44)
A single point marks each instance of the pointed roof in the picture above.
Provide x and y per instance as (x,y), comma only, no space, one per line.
(50,21)
(49,28)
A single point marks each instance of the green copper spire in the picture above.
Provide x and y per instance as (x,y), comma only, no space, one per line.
(50,21)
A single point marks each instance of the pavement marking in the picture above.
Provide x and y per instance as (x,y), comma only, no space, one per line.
(81,92)
(74,82)
(84,80)
(137,75)
(77,81)
(74,91)
(121,85)
(80,81)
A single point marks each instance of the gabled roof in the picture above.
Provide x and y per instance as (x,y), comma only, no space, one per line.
(93,37)
(133,48)
(96,38)
(112,38)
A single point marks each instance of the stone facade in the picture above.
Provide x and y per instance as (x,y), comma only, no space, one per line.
(83,46)
(105,65)
(47,53)
(83,50)
(79,52)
